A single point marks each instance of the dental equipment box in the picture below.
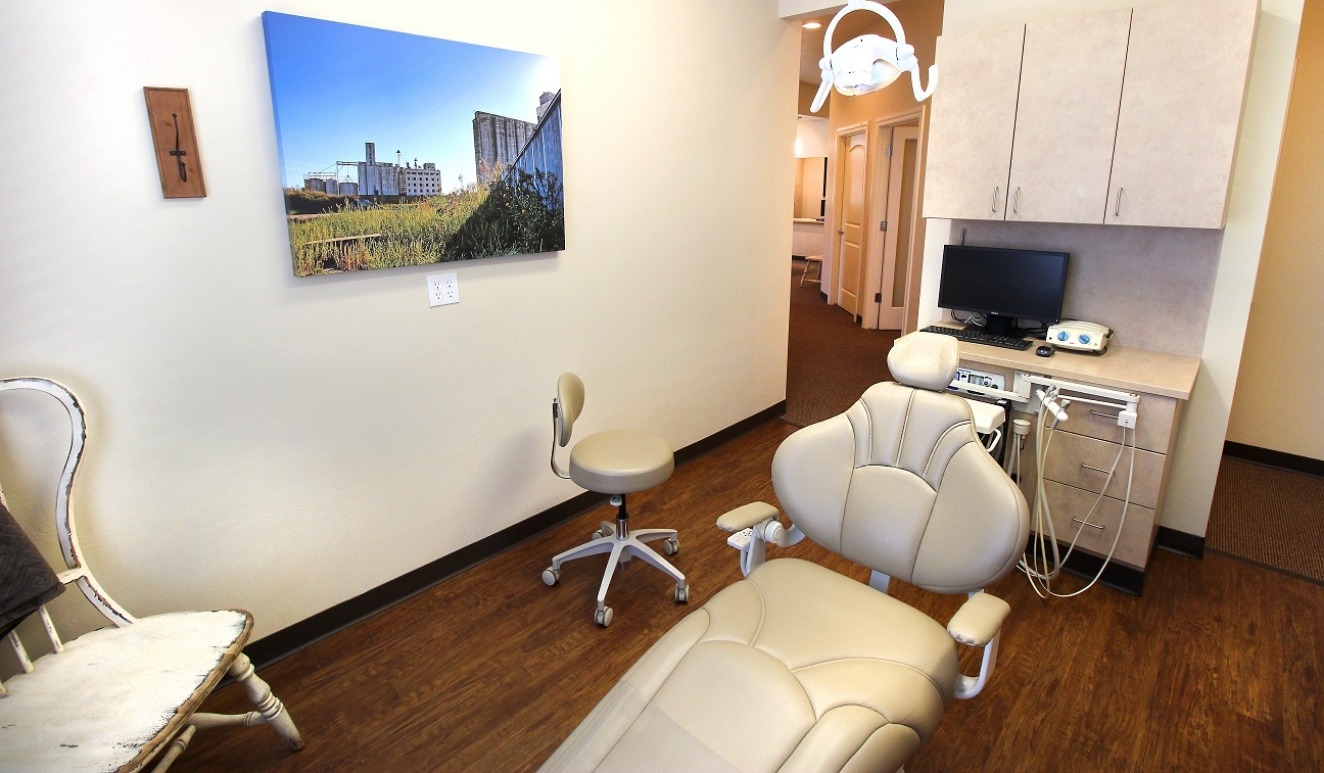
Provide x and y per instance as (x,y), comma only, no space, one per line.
(1080,336)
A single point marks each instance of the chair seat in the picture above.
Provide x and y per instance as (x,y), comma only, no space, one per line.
(621,461)
(125,685)
(795,667)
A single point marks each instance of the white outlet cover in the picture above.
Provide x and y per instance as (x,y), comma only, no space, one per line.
(443,289)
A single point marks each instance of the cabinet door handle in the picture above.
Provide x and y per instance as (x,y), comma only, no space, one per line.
(1117,210)
(996,188)
(1087,523)
(1091,467)
(1016,203)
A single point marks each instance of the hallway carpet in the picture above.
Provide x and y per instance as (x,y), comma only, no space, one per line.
(831,359)
(1270,517)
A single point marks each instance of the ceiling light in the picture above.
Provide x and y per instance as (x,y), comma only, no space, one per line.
(813,25)
(870,62)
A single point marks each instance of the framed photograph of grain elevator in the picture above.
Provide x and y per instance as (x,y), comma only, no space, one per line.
(401,150)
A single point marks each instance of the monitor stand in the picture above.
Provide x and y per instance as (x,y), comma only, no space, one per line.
(1001,326)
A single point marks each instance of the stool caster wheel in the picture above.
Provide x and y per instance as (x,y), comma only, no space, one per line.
(550,575)
(683,594)
(603,617)
(671,547)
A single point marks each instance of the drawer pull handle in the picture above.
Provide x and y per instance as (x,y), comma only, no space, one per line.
(1084,466)
(1103,414)
(1087,523)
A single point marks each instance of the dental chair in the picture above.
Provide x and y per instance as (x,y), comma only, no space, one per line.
(799,668)
(615,462)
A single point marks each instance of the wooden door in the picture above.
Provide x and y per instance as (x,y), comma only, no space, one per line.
(1181,108)
(851,233)
(971,124)
(1066,117)
(901,222)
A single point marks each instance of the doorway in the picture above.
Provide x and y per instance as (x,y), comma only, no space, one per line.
(890,272)
(853,174)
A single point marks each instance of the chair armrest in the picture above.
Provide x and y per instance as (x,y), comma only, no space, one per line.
(746,516)
(978,620)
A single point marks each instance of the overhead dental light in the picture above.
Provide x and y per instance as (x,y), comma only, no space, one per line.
(870,62)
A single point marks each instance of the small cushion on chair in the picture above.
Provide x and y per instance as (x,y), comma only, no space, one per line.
(95,706)
(621,461)
(794,668)
(924,360)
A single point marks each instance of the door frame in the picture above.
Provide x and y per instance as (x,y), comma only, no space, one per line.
(876,202)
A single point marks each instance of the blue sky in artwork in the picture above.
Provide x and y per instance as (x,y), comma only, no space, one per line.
(336,86)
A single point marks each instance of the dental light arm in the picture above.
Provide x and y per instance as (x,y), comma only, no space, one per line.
(869,62)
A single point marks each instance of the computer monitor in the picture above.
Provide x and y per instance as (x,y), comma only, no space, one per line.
(1004,285)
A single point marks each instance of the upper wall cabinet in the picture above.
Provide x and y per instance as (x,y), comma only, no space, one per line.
(1066,117)
(970,129)
(1181,107)
(1126,117)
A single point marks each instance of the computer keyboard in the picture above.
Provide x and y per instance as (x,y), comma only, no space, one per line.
(976,336)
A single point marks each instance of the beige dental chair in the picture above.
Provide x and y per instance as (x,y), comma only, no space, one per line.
(615,462)
(799,668)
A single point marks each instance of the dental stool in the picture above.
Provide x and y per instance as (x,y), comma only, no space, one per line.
(799,668)
(615,462)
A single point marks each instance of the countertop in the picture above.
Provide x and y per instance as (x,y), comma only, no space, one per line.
(1133,370)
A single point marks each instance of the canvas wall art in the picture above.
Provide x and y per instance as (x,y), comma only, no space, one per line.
(402,150)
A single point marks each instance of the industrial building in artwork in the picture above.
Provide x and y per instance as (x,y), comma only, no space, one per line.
(378,178)
(499,140)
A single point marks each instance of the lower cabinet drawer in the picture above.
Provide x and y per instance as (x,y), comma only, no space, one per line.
(1083,462)
(1069,506)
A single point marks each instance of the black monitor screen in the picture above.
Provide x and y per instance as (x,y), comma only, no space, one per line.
(1003,284)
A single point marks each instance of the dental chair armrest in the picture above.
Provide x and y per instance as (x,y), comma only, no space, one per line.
(747,516)
(978,620)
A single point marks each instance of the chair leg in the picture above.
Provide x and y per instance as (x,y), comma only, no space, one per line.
(272,710)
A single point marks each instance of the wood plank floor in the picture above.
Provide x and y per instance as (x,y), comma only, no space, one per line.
(1218,666)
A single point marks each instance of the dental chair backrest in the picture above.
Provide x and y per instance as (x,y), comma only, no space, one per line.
(901,483)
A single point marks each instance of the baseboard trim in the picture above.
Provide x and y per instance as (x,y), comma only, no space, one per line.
(1271,458)
(291,639)
(1180,542)
(1123,578)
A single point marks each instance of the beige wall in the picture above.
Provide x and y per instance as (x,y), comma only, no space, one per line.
(1205,422)
(1277,403)
(284,444)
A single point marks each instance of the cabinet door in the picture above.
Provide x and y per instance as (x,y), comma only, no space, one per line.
(1181,107)
(970,129)
(1071,85)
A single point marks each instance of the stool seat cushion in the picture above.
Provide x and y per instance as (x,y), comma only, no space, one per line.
(621,461)
(794,668)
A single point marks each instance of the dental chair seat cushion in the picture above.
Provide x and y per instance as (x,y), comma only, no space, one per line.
(621,461)
(794,668)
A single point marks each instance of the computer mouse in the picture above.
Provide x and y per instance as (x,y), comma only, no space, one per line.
(1044,351)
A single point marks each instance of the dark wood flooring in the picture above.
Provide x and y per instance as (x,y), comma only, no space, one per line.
(1218,666)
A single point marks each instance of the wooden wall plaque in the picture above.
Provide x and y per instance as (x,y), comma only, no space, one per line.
(176,143)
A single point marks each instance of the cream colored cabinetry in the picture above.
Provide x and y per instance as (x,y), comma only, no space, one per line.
(1126,117)
(970,132)
(1079,456)
(1084,448)
(1066,117)
(1181,108)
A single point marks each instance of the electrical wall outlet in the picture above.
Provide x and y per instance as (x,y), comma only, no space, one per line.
(443,289)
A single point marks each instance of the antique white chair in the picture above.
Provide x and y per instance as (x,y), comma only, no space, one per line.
(799,668)
(121,697)
(615,462)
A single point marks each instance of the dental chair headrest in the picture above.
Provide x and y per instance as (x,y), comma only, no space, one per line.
(924,361)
